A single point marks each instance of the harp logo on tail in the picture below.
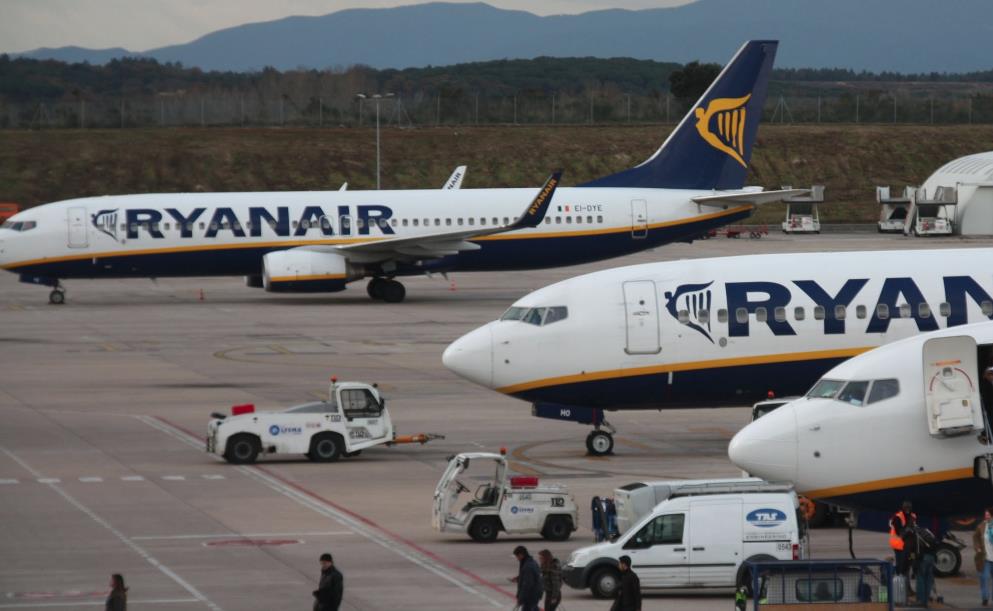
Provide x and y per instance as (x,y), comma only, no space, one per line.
(726,117)
(694,300)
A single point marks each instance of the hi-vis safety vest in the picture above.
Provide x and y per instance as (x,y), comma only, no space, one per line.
(896,541)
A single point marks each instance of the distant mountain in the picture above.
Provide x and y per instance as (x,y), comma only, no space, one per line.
(877,35)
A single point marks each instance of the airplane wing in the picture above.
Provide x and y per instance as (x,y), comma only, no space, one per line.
(751,197)
(435,245)
(455,180)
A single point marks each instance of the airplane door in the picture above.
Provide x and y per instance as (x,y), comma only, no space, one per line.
(641,313)
(951,386)
(639,219)
(77,228)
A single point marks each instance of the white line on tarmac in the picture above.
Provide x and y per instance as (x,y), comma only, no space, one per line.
(328,533)
(134,546)
(98,603)
(90,479)
(342,518)
(8,481)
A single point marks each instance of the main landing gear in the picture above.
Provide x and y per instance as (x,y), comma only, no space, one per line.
(600,441)
(386,290)
(58,295)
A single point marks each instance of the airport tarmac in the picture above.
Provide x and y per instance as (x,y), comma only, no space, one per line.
(104,403)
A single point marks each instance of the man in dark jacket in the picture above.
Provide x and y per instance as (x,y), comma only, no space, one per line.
(528,580)
(327,596)
(629,592)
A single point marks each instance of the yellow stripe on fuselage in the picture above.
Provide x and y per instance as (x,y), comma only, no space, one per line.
(892,482)
(307,278)
(689,366)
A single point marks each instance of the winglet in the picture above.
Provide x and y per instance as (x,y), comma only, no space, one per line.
(536,210)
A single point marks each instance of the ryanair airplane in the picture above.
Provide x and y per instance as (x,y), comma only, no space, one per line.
(713,332)
(906,421)
(321,241)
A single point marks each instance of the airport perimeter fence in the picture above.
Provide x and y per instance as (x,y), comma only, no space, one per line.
(236,109)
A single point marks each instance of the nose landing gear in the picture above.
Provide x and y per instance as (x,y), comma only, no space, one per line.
(58,295)
(599,442)
(386,290)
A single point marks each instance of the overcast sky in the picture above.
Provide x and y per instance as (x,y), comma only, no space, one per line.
(139,25)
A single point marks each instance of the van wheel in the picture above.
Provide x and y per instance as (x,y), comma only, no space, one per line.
(557,528)
(484,529)
(242,449)
(604,582)
(947,560)
(326,447)
(745,576)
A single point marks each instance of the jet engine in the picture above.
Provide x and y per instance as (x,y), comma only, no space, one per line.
(305,271)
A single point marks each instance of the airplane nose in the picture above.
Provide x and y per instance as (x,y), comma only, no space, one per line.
(471,356)
(767,448)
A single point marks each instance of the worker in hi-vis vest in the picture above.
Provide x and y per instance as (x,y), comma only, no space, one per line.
(900,521)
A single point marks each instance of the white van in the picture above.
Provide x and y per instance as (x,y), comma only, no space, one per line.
(637,499)
(696,541)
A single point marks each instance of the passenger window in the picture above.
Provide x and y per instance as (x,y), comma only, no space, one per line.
(854,393)
(558,220)
(683,316)
(818,312)
(393,222)
(346,224)
(359,403)
(599,219)
(924,310)
(779,314)
(534,316)
(905,310)
(882,311)
(839,312)
(165,226)
(472,221)
(703,316)
(579,219)
(405,222)
(568,220)
(416,222)
(799,313)
(945,309)
(741,315)
(448,222)
(722,315)
(663,530)
(248,225)
(459,221)
(987,307)
(589,220)
(555,314)
(506,221)
(883,389)
(359,223)
(548,220)
(760,314)
(860,311)
(202,224)
(437,222)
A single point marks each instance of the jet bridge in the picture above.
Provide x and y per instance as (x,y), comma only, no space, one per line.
(893,209)
(801,211)
(931,216)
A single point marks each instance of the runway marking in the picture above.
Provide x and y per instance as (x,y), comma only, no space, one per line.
(132,478)
(8,481)
(89,480)
(212,476)
(109,527)
(359,524)
(98,603)
(174,478)
(326,533)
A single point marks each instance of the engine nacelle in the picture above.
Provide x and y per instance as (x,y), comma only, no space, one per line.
(304,271)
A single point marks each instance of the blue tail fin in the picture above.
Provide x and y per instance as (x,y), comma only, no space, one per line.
(712,145)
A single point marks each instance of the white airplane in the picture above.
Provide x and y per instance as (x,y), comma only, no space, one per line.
(712,332)
(902,422)
(320,241)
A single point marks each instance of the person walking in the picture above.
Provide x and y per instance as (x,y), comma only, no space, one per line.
(629,591)
(982,542)
(528,580)
(551,579)
(117,600)
(330,588)
(926,547)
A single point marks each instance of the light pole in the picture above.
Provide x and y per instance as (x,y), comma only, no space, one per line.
(377,98)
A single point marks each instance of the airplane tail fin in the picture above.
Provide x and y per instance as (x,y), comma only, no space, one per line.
(712,145)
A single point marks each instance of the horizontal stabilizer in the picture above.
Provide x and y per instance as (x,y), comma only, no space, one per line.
(756,198)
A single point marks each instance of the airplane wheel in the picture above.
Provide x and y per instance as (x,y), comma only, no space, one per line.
(947,560)
(599,443)
(392,291)
(375,288)
(57,297)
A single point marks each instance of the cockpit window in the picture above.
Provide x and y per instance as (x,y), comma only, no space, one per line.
(534,316)
(514,313)
(555,314)
(825,389)
(854,393)
(19,225)
(883,389)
